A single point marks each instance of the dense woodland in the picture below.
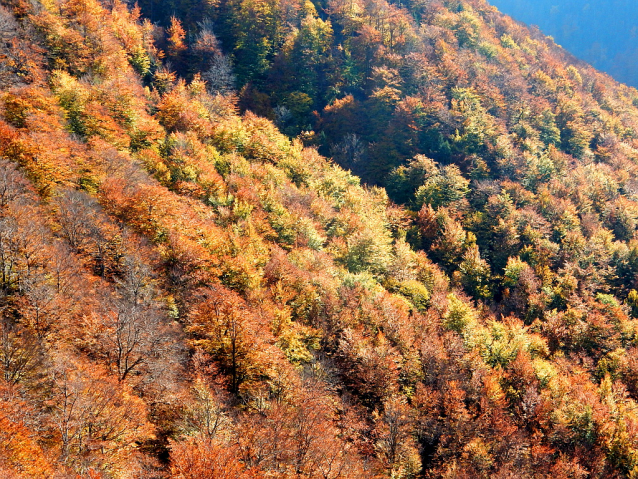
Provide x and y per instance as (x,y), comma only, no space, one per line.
(283,239)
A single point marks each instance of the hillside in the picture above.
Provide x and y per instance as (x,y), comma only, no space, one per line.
(188,292)
(601,32)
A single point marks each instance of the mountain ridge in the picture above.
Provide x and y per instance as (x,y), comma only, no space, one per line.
(600,33)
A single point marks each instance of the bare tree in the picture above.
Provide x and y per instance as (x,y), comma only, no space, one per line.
(20,353)
(219,76)
(75,211)
(349,151)
(41,306)
(138,330)
(8,253)
(12,182)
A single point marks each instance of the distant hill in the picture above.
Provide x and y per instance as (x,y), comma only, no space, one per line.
(601,32)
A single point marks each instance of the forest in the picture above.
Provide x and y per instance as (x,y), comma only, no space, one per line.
(601,32)
(290,239)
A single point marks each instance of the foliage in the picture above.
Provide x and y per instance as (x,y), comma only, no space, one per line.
(188,292)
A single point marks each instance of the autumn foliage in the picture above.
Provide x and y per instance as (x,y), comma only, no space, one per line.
(188,292)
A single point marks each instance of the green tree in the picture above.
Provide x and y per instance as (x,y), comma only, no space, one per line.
(443,189)
(549,131)
(475,274)
(476,124)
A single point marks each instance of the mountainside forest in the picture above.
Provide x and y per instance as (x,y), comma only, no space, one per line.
(601,32)
(337,239)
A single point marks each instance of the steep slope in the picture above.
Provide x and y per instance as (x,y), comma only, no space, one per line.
(379,82)
(188,293)
(600,32)
(522,134)
(498,107)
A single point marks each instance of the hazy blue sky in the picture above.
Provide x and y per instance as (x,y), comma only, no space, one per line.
(601,32)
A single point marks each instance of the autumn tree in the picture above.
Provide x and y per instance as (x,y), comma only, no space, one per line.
(92,412)
(226,329)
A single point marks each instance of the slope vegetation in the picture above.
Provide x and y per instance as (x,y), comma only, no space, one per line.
(188,293)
